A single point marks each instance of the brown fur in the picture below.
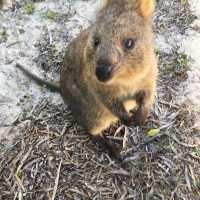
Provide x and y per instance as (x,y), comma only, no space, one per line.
(101,80)
(97,104)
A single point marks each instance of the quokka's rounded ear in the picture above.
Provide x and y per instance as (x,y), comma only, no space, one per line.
(146,7)
(104,3)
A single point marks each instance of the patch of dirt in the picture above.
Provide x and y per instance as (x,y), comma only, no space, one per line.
(55,159)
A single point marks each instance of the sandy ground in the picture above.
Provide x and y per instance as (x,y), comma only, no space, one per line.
(190,46)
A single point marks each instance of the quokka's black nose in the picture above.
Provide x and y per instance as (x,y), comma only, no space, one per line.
(103,73)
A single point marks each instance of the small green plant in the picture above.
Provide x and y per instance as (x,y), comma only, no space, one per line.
(51,15)
(182,64)
(198,152)
(2,146)
(3,35)
(184,3)
(29,8)
(178,65)
(3,32)
(157,51)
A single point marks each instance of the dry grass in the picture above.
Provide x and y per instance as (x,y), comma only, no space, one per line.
(55,159)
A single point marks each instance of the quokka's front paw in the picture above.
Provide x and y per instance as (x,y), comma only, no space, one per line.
(140,116)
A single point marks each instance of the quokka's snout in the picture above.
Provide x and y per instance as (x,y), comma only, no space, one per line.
(108,63)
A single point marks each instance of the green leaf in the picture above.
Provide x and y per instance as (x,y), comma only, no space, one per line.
(29,8)
(51,15)
(153,132)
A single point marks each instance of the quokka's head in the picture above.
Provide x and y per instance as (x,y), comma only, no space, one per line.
(121,42)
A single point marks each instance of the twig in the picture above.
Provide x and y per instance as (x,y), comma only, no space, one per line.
(181,143)
(194,156)
(64,130)
(78,192)
(56,181)
(115,138)
(187,179)
(19,182)
(168,104)
(23,160)
(121,172)
(149,140)
(13,43)
(125,139)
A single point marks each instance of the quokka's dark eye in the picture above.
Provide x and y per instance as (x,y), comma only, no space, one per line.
(129,43)
(96,41)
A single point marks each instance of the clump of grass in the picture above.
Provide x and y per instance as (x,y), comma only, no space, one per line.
(198,152)
(176,65)
(49,14)
(3,32)
(3,35)
(29,8)
(182,64)
(157,51)
(2,146)
(185,3)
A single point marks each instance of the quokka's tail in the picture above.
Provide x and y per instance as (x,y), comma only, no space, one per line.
(51,86)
